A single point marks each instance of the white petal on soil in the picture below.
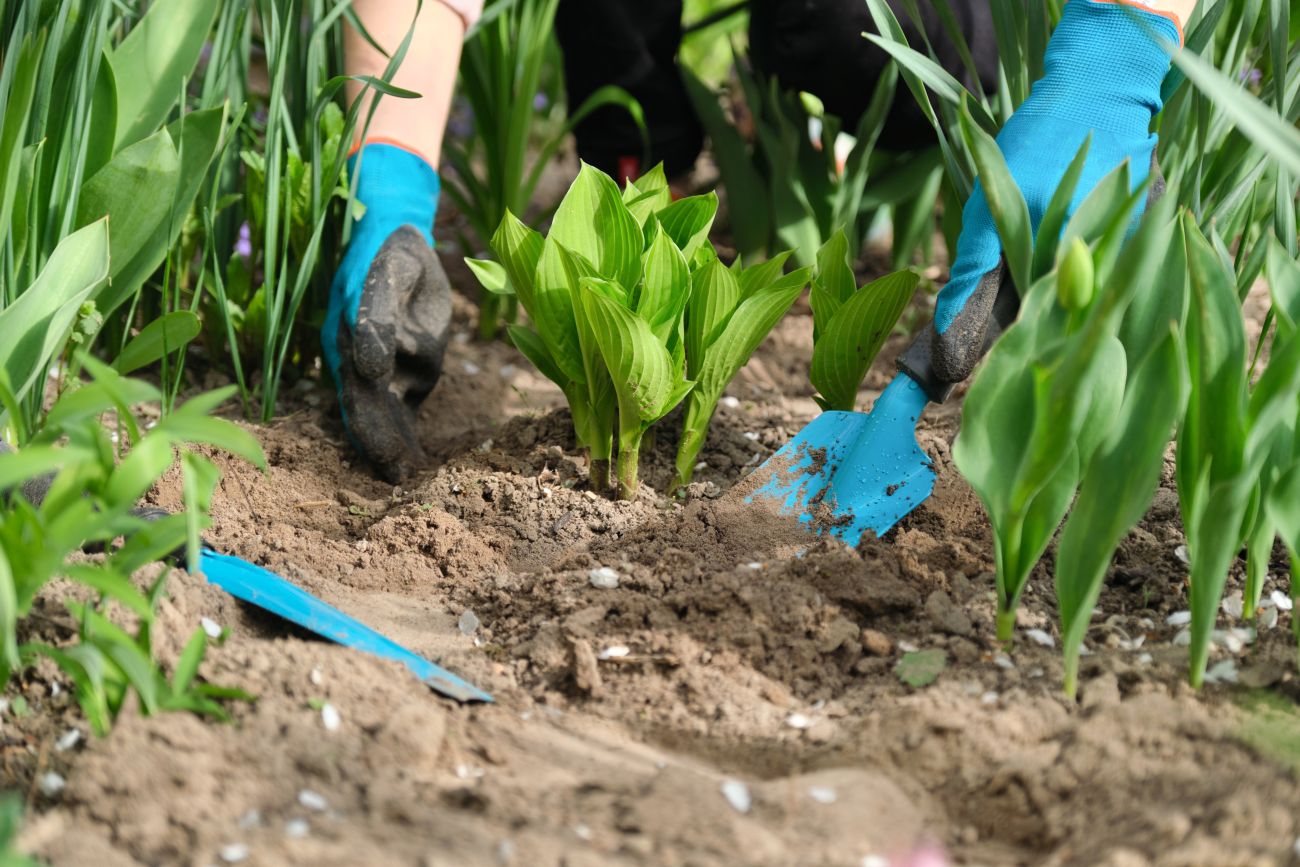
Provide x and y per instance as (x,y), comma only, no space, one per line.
(1223,671)
(737,795)
(316,677)
(1181,553)
(1269,618)
(233,853)
(67,740)
(1038,636)
(823,794)
(468,622)
(297,828)
(1232,604)
(313,800)
(329,717)
(51,784)
(603,578)
(1281,600)
(1001,660)
(618,651)
(798,721)
(1183,638)
(211,627)
(729,402)
(751,436)
(1179,618)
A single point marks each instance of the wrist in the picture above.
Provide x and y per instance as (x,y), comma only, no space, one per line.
(396,185)
(1176,12)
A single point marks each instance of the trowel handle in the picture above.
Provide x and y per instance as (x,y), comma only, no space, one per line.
(939,361)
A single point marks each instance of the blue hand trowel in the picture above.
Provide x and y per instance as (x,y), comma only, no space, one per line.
(270,592)
(847,473)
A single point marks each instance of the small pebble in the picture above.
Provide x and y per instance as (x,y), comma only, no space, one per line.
(211,627)
(1181,553)
(1296,847)
(1179,618)
(1224,671)
(582,832)
(51,784)
(754,566)
(989,697)
(798,721)
(469,772)
(737,795)
(67,740)
(297,828)
(700,466)
(1281,601)
(329,717)
(233,853)
(508,370)
(55,689)
(729,402)
(907,647)
(506,851)
(1183,638)
(1001,660)
(1269,618)
(1038,636)
(313,800)
(751,436)
(603,578)
(471,368)
(251,819)
(468,622)
(874,861)
(618,651)
(316,677)
(1146,658)
(1232,604)
(823,794)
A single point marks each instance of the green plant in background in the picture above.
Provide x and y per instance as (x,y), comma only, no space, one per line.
(850,324)
(491,170)
(11,819)
(633,312)
(67,492)
(787,190)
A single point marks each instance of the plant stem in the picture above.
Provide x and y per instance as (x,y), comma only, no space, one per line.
(1007,624)
(629,460)
(489,315)
(1072,674)
(599,472)
(695,424)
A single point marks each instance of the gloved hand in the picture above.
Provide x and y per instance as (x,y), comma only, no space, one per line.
(1103,72)
(386,328)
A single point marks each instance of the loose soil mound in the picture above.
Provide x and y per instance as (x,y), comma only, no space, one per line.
(757,665)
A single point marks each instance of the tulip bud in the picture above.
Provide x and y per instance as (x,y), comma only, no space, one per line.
(1074,281)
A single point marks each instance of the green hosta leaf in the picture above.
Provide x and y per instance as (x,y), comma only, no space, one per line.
(666,289)
(762,275)
(854,335)
(491,275)
(593,222)
(519,248)
(638,363)
(921,667)
(553,312)
(153,62)
(34,326)
(715,293)
(648,195)
(527,342)
(1117,488)
(166,334)
(1005,200)
(833,282)
(687,221)
(744,331)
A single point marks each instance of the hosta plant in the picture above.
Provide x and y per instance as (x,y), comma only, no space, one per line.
(632,312)
(850,323)
(67,492)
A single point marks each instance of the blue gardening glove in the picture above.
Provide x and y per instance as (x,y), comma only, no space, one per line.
(1103,72)
(389,311)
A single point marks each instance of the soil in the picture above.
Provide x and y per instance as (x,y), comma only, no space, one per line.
(755,716)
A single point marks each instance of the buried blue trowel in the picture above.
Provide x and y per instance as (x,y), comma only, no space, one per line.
(849,473)
(270,592)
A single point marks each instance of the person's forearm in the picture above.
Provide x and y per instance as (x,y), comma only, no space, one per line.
(429,69)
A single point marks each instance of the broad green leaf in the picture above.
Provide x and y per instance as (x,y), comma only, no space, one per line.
(687,221)
(532,347)
(491,275)
(1117,488)
(833,281)
(166,334)
(593,222)
(648,195)
(637,361)
(36,325)
(553,313)
(666,289)
(763,274)
(519,248)
(715,292)
(153,62)
(849,343)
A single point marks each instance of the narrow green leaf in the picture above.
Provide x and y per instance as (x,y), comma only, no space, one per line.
(166,334)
